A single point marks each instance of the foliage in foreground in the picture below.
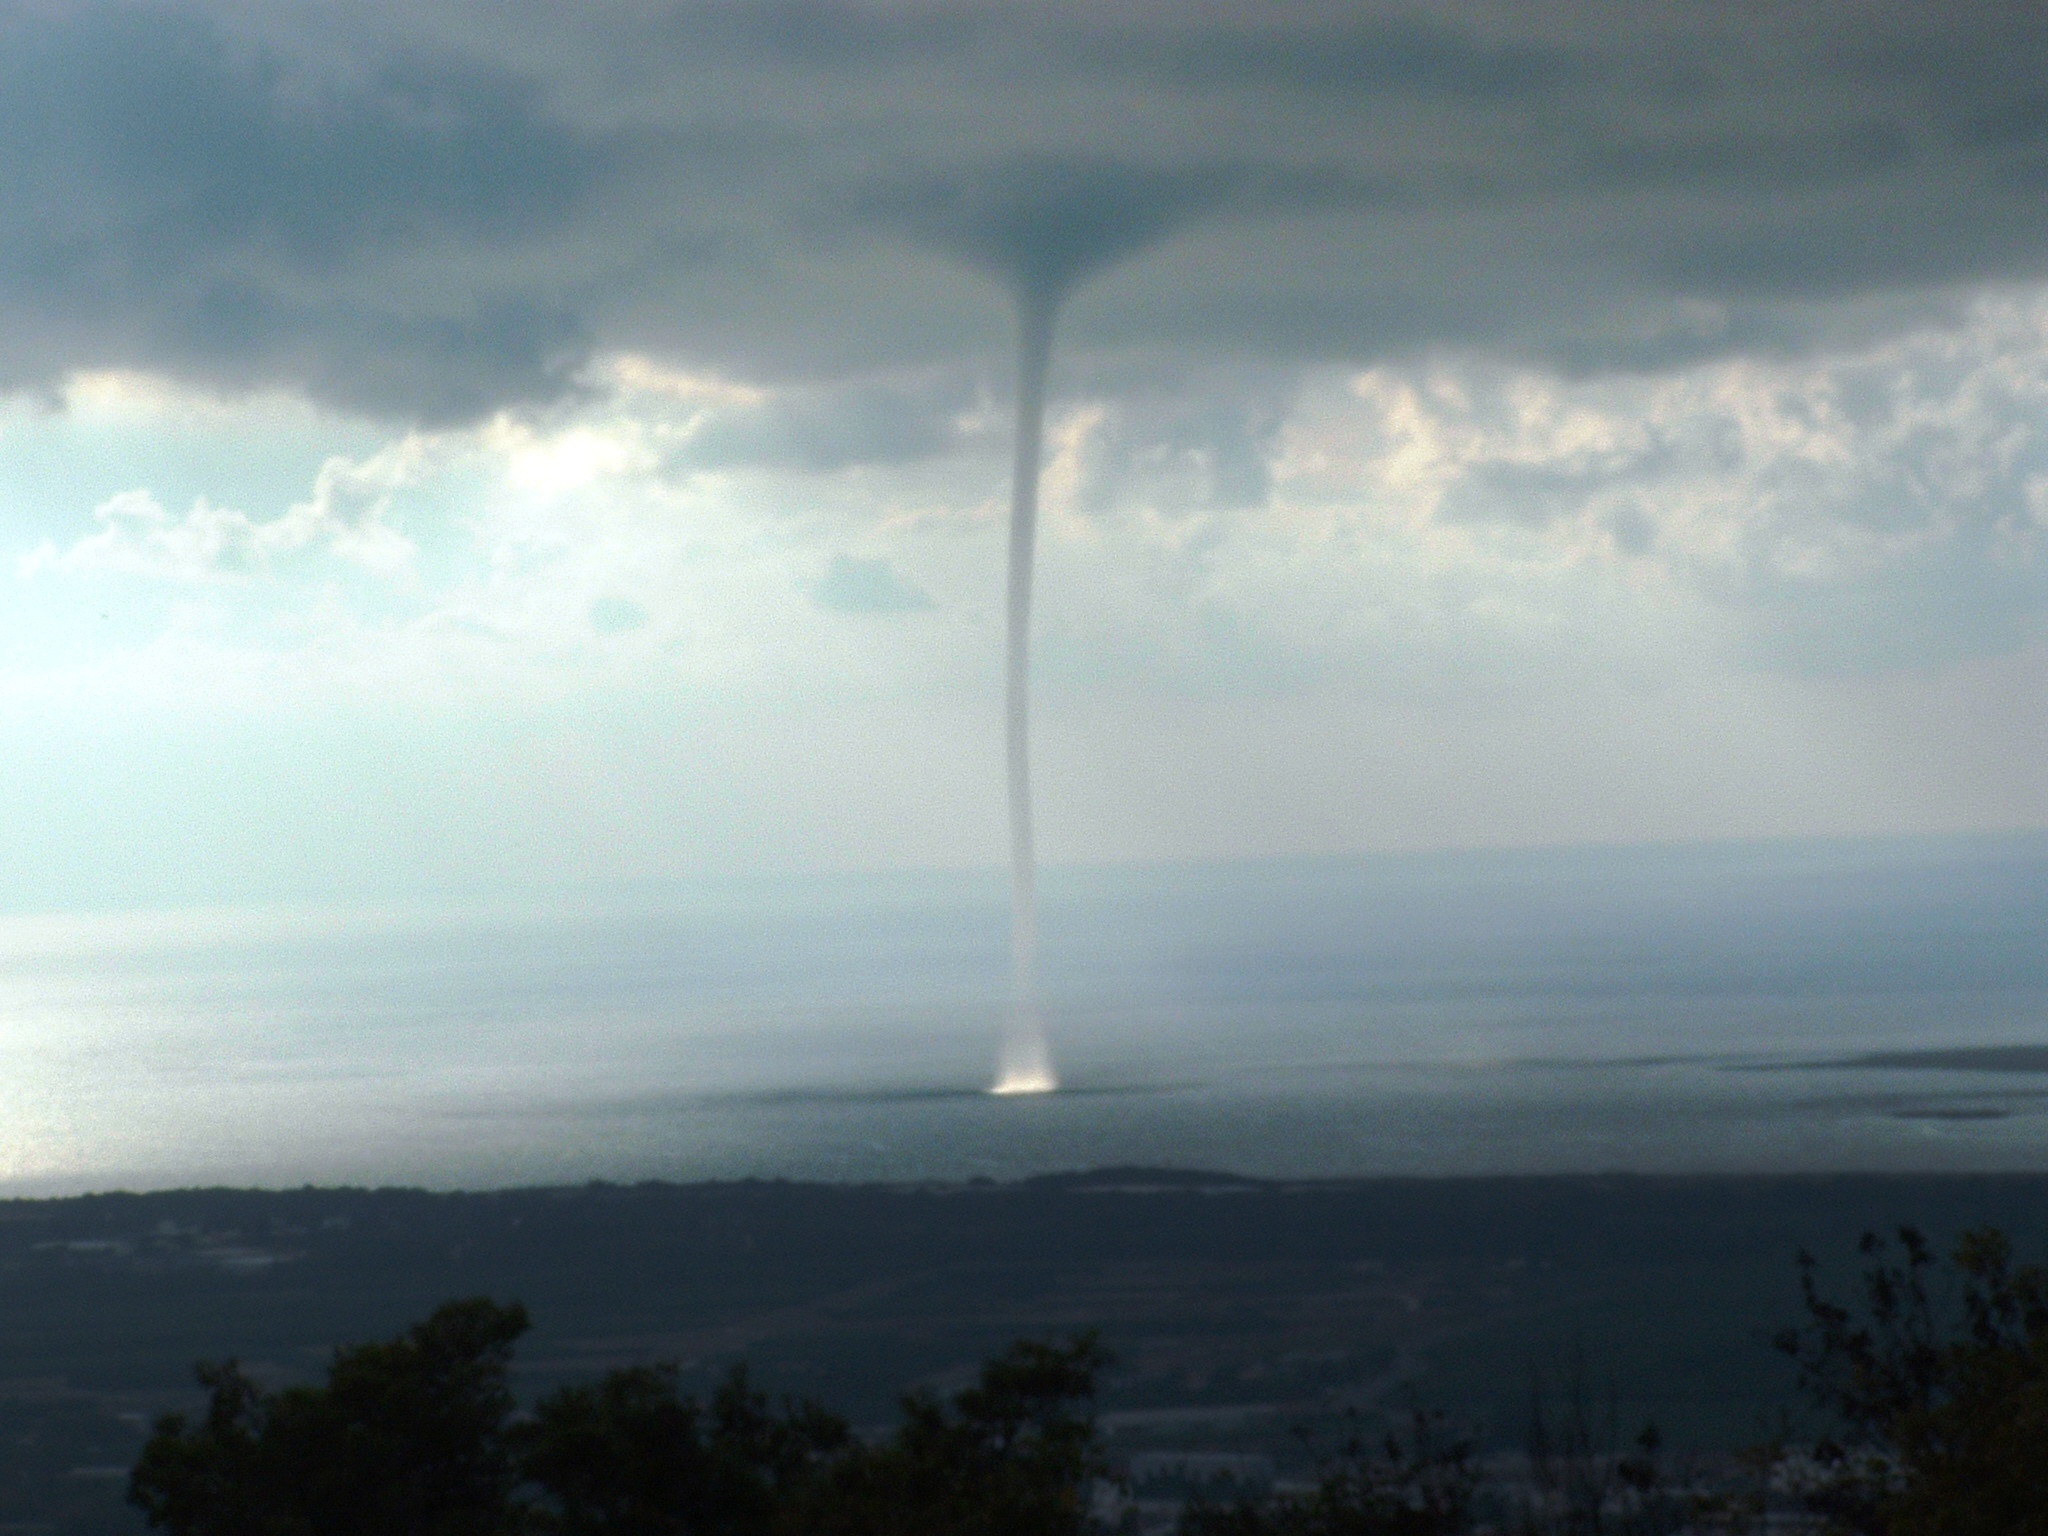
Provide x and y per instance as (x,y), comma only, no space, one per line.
(1937,1387)
(1418,1483)
(419,1436)
(1940,1387)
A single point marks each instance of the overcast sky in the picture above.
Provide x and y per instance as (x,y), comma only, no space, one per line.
(451,444)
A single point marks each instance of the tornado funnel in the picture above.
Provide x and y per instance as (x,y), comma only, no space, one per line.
(1024,1064)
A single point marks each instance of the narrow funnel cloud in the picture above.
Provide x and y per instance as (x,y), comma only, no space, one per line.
(1025,1062)
(1043,227)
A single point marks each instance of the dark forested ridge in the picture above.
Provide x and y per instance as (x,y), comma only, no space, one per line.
(1236,1308)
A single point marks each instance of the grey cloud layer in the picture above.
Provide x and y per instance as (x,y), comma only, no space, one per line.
(434,210)
(180,197)
(821,430)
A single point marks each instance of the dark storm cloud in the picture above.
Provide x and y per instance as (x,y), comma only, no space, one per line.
(178,197)
(824,35)
(1356,56)
(822,430)
(1044,225)
(441,207)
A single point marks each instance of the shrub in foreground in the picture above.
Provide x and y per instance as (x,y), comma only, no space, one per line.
(418,1436)
(1939,1384)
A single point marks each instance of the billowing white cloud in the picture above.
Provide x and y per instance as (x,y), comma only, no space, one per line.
(1451,599)
(1454,519)
(343,516)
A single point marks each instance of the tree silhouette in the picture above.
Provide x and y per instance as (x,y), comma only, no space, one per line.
(629,1455)
(1013,1455)
(405,1436)
(1940,1387)
(418,1436)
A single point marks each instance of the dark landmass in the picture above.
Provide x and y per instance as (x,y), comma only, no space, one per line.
(1980,1058)
(1237,1308)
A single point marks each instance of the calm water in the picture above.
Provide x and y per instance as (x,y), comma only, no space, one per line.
(1648,1009)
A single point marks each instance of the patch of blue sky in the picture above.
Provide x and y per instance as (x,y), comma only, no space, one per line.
(58,464)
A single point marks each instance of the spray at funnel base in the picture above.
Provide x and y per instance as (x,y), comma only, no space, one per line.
(1025,1062)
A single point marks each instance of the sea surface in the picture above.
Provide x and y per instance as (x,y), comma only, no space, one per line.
(1757,1006)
